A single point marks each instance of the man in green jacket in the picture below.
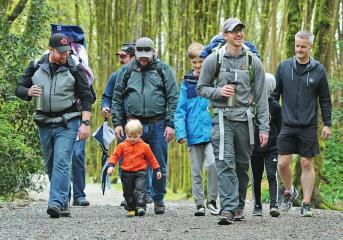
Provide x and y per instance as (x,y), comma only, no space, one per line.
(146,90)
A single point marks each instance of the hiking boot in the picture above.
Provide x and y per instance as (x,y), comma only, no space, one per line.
(148,199)
(212,207)
(225,218)
(306,210)
(238,215)
(159,208)
(140,211)
(288,200)
(200,211)
(54,211)
(65,211)
(274,211)
(131,213)
(257,209)
(123,203)
(81,201)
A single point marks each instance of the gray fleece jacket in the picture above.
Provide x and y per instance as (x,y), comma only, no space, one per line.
(209,88)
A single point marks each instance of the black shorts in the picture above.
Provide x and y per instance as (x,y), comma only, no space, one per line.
(298,140)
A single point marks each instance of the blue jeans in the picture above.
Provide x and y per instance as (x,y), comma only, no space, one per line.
(58,143)
(153,135)
(78,169)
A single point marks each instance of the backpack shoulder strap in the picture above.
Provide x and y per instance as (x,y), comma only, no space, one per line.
(249,63)
(126,77)
(161,74)
(219,54)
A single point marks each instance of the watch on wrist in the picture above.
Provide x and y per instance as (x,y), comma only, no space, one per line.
(86,122)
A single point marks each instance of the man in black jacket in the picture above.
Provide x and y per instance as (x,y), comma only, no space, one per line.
(301,80)
(58,83)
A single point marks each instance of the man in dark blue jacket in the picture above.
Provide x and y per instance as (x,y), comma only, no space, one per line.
(126,54)
(301,80)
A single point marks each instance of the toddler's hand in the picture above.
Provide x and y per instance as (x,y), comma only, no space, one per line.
(158,175)
(110,171)
(182,140)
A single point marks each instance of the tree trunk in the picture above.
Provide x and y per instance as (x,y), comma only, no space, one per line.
(294,24)
(273,41)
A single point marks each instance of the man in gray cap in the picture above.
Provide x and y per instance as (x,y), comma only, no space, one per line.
(150,92)
(233,79)
(59,84)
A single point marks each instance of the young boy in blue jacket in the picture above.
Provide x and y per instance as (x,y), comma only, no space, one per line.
(193,124)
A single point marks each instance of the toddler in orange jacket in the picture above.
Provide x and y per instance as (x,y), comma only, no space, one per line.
(136,157)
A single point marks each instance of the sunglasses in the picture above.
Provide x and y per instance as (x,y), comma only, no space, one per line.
(145,49)
(123,55)
(236,31)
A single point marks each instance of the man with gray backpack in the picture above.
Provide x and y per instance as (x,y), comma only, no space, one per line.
(236,89)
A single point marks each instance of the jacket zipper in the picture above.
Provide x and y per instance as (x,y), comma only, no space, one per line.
(143,94)
(52,81)
(55,84)
(298,79)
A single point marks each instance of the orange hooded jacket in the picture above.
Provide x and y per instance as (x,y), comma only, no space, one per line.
(135,156)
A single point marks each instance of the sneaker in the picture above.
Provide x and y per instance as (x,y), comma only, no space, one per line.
(306,210)
(65,211)
(123,203)
(212,207)
(148,199)
(159,208)
(200,211)
(288,200)
(140,211)
(54,211)
(274,211)
(225,218)
(257,209)
(81,201)
(238,215)
(131,213)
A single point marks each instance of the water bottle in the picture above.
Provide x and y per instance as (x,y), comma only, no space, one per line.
(39,99)
(231,101)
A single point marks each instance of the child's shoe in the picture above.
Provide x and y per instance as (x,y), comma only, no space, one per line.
(131,213)
(212,207)
(200,211)
(140,211)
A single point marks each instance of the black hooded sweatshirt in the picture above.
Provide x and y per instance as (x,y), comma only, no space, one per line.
(300,93)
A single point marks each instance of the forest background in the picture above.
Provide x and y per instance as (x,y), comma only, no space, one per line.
(173,25)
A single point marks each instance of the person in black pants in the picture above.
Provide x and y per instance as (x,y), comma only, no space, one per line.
(267,155)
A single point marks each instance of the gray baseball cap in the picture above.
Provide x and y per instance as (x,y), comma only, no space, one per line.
(144,48)
(231,23)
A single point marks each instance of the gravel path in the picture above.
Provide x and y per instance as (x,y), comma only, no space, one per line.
(103,219)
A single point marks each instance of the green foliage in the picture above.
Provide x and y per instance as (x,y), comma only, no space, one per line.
(19,160)
(331,186)
(20,154)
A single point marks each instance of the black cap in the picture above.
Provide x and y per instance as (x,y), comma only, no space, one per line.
(128,48)
(60,42)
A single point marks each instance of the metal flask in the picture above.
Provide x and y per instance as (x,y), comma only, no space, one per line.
(39,100)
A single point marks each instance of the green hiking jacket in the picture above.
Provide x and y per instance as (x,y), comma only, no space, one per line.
(145,94)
